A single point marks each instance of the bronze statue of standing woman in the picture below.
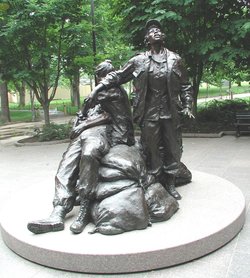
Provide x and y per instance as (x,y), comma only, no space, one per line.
(162,93)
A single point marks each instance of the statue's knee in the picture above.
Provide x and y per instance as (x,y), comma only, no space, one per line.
(93,148)
(90,151)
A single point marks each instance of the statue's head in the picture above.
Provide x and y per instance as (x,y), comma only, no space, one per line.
(103,69)
(154,32)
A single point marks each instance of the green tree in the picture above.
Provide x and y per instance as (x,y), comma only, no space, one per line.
(36,29)
(110,43)
(5,113)
(78,37)
(203,32)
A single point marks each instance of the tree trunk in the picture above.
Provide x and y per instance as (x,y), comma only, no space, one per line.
(230,89)
(75,90)
(35,114)
(20,87)
(22,95)
(196,84)
(91,82)
(42,97)
(46,113)
(5,112)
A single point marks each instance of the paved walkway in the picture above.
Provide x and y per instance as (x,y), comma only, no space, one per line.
(227,157)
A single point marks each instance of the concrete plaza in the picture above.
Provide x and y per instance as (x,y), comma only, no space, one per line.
(227,157)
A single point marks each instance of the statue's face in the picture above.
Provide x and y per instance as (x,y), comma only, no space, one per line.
(155,35)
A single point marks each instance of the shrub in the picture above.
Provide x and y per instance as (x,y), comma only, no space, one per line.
(221,110)
(68,109)
(15,106)
(54,132)
(216,115)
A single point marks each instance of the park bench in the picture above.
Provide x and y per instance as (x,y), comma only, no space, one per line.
(242,121)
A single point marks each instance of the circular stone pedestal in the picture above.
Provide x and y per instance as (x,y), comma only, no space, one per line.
(212,212)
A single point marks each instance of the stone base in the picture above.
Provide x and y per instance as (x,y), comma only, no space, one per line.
(212,212)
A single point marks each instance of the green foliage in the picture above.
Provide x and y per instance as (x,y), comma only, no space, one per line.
(41,40)
(215,116)
(221,111)
(68,109)
(15,106)
(207,34)
(109,43)
(36,36)
(54,132)
(110,40)
(59,102)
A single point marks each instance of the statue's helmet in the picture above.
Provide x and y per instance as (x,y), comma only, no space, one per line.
(104,68)
(152,23)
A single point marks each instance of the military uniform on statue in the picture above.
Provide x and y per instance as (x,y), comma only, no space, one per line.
(162,91)
(96,130)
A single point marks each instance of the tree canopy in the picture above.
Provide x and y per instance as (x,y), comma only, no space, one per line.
(39,33)
(206,33)
(42,40)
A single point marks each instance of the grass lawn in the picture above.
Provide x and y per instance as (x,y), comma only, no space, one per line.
(20,116)
(213,91)
(63,105)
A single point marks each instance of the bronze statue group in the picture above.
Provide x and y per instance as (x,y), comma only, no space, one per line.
(122,184)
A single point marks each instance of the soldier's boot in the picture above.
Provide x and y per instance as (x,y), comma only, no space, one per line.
(170,187)
(82,219)
(54,223)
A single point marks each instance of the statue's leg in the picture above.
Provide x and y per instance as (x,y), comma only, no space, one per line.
(83,217)
(88,178)
(151,141)
(65,191)
(171,153)
(67,176)
(94,146)
(55,222)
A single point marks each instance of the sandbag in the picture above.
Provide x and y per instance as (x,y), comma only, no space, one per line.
(122,212)
(184,176)
(107,189)
(161,204)
(126,159)
(111,174)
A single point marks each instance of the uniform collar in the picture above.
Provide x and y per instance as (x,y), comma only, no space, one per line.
(161,58)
